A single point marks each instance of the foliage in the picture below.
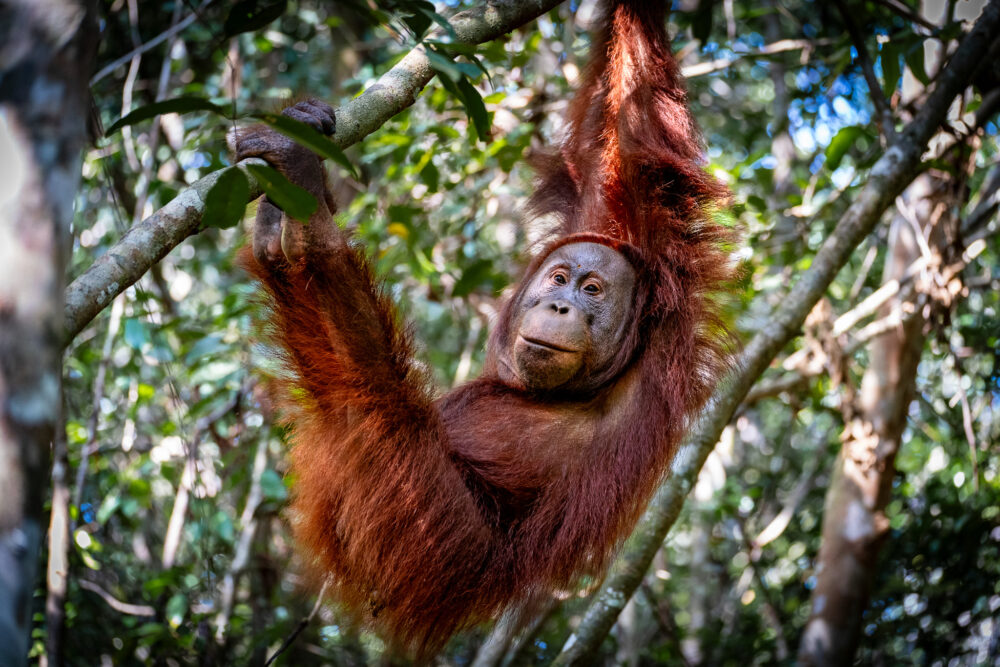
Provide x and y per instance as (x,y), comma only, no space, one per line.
(434,199)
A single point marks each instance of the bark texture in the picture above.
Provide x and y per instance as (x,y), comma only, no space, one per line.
(46,52)
(854,520)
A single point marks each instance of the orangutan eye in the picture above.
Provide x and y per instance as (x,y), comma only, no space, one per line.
(592,288)
(559,278)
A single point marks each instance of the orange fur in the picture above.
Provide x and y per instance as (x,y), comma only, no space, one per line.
(431,515)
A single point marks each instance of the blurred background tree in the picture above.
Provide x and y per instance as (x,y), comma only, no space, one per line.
(883,417)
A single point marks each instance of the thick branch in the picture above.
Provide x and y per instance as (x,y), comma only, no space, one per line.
(889,176)
(150,240)
(141,247)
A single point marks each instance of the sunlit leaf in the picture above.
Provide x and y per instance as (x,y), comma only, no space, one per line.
(205,347)
(841,143)
(177,607)
(443,64)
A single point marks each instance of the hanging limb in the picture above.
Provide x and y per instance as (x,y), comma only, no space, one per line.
(905,12)
(520,649)
(889,176)
(149,241)
(769,611)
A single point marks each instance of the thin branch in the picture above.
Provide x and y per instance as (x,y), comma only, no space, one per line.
(970,434)
(57,576)
(896,168)
(493,649)
(905,12)
(93,424)
(882,105)
(150,240)
(781,46)
(175,526)
(151,44)
(989,202)
(768,608)
(241,557)
(779,523)
(303,624)
(115,603)
(664,618)
(901,314)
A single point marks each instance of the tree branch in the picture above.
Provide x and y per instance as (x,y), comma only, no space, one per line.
(149,241)
(780,46)
(889,176)
(882,105)
(116,604)
(151,44)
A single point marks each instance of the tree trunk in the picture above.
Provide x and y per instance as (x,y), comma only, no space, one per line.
(45,57)
(854,521)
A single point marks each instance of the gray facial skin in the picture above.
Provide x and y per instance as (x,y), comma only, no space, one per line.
(574,314)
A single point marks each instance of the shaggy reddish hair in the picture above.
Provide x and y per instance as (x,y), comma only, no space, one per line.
(430,515)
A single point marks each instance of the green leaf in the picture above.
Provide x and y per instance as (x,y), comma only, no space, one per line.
(290,198)
(428,10)
(840,144)
(305,135)
(915,61)
(250,15)
(175,105)
(442,64)
(475,108)
(272,486)
(177,607)
(890,68)
(419,16)
(205,347)
(136,333)
(226,201)
(470,98)
(108,507)
(473,276)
